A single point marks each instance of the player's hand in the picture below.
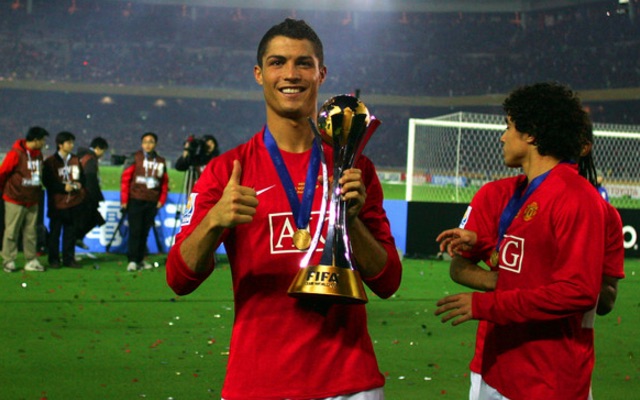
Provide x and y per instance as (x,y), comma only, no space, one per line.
(456,240)
(159,205)
(353,191)
(456,307)
(237,204)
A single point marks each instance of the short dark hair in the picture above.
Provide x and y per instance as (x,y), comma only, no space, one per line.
(99,143)
(553,114)
(206,138)
(294,29)
(216,150)
(153,135)
(36,133)
(63,137)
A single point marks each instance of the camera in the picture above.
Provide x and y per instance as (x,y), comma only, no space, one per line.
(197,150)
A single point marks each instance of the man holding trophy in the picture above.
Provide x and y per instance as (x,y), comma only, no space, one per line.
(287,235)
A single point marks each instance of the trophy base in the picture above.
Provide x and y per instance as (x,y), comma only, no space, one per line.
(330,283)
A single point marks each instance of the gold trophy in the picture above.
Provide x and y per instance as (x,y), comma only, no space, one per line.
(345,123)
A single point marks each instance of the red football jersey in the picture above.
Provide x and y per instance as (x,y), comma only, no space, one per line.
(282,347)
(483,216)
(540,340)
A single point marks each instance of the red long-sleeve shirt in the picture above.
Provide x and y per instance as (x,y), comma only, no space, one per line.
(283,347)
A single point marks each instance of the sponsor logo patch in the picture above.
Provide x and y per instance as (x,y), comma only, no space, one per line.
(282,227)
(511,253)
(189,210)
(465,218)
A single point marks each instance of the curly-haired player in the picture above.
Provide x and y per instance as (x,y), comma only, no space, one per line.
(549,251)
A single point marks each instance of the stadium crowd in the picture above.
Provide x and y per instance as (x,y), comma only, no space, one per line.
(416,54)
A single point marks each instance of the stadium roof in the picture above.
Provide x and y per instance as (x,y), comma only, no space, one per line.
(382,5)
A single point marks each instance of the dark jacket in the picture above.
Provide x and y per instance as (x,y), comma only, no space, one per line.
(56,176)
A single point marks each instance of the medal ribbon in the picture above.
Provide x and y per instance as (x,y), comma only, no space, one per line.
(301,210)
(514,205)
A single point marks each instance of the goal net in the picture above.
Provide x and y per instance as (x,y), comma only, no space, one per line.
(450,157)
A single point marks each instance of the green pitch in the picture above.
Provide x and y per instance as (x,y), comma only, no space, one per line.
(110,178)
(103,333)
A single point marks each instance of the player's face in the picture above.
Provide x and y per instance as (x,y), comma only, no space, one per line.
(290,77)
(515,145)
(148,144)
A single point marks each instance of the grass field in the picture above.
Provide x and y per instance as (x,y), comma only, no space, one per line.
(103,333)
(110,176)
(110,180)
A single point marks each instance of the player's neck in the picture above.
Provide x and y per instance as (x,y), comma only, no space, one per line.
(293,136)
(538,165)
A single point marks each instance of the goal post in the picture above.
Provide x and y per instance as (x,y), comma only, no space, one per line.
(451,156)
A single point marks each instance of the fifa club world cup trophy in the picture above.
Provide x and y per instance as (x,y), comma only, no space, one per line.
(344,122)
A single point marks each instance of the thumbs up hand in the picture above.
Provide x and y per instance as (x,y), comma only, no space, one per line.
(237,204)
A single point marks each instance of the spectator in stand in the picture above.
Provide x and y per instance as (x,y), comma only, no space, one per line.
(21,186)
(143,190)
(64,180)
(89,216)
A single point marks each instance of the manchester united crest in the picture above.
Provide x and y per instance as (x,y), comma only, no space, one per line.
(530,211)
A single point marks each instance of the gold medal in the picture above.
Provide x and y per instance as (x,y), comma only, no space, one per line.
(494,258)
(302,239)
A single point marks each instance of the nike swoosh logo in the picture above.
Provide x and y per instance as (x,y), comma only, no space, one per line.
(259,192)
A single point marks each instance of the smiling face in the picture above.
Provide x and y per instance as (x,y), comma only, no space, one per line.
(290,77)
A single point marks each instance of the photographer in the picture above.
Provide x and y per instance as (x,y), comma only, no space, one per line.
(64,180)
(197,153)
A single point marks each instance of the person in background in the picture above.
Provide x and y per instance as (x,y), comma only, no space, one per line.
(64,180)
(89,216)
(144,186)
(548,247)
(601,189)
(21,186)
(195,156)
(283,347)
(198,153)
